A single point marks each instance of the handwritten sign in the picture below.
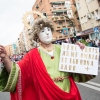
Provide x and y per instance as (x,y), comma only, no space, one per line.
(73,59)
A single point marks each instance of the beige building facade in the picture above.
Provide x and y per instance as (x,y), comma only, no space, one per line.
(21,43)
(89,15)
(58,11)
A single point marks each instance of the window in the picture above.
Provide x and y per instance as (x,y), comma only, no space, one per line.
(58,14)
(96,12)
(78,19)
(37,6)
(40,2)
(68,4)
(88,1)
(70,13)
(82,20)
(55,6)
(97,15)
(78,6)
(60,23)
(85,18)
(92,14)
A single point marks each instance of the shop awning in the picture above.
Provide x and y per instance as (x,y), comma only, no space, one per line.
(82,34)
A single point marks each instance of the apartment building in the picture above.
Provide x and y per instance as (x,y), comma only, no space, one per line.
(21,43)
(11,49)
(29,38)
(17,46)
(58,11)
(89,15)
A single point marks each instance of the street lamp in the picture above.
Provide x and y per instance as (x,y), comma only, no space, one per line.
(72,23)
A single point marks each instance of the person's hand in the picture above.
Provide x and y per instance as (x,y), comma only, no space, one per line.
(5,58)
(81,45)
(3,52)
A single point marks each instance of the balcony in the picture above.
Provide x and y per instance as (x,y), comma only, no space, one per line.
(55,18)
(60,27)
(57,28)
(59,18)
(56,2)
(59,9)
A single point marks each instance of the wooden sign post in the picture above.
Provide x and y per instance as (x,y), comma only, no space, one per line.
(75,60)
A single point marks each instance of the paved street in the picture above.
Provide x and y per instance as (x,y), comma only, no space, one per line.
(4,96)
(89,90)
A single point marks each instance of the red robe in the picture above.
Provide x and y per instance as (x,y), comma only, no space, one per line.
(34,82)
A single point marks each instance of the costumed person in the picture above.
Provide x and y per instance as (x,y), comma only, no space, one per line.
(36,76)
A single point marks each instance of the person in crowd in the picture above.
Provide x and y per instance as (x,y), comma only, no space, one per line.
(96,41)
(99,45)
(93,43)
(68,40)
(36,76)
(89,42)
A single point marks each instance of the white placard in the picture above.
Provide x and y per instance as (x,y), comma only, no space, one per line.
(73,59)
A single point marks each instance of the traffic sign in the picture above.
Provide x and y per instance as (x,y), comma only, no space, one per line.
(96,30)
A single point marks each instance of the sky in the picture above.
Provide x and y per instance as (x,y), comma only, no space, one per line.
(11,14)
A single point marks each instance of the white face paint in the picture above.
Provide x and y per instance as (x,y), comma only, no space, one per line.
(45,35)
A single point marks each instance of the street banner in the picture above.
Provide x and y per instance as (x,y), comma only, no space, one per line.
(75,60)
(65,31)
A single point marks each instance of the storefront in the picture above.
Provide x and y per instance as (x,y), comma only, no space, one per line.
(89,34)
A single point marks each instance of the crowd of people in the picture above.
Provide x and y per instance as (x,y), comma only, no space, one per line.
(13,58)
(88,42)
(91,43)
(17,57)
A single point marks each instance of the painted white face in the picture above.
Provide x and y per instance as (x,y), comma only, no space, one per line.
(45,35)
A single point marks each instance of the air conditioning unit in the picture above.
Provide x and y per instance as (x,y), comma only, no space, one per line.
(97,17)
(88,16)
(71,30)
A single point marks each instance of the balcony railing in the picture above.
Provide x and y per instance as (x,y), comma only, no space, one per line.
(60,27)
(57,2)
(55,18)
(59,9)
(59,18)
